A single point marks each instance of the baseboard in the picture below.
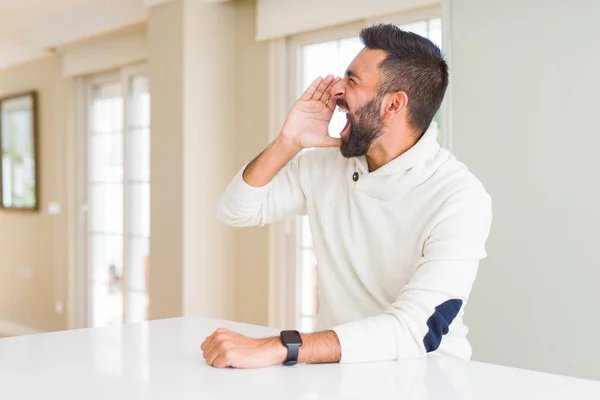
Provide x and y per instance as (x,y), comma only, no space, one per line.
(8,328)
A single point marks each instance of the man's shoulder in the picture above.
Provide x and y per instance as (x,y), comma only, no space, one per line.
(320,159)
(462,215)
(316,166)
(457,181)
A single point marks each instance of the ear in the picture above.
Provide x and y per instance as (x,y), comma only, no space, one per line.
(394,104)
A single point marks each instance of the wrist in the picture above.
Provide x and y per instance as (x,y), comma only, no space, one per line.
(287,145)
(260,171)
(277,349)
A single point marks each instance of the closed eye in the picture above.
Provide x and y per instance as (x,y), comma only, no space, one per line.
(351,75)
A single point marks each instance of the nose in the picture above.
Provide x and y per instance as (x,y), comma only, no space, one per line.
(338,90)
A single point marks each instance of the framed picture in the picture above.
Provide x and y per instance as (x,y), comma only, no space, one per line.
(18,143)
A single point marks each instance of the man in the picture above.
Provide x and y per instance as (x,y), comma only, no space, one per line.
(399,225)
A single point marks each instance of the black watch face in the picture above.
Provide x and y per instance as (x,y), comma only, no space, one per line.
(291,337)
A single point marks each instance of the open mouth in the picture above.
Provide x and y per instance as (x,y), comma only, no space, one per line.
(346,130)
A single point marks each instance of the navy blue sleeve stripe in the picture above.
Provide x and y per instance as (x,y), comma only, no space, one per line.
(439,323)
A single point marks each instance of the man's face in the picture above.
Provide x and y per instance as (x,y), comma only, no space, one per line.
(357,95)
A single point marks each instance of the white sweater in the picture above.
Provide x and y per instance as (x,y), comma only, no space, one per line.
(397,250)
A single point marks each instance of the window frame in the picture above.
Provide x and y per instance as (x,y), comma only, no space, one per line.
(85,85)
(285,60)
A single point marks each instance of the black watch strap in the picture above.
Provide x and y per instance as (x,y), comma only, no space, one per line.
(292,357)
(292,341)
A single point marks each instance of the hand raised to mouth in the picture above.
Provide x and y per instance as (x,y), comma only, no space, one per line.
(307,123)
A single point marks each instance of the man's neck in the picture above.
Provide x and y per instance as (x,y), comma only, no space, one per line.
(385,149)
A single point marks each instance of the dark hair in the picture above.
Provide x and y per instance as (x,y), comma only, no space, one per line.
(413,65)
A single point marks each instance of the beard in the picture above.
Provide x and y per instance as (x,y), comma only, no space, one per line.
(365,126)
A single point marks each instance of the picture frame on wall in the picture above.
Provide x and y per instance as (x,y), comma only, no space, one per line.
(19,177)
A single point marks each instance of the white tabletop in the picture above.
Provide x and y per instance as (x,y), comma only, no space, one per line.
(162,360)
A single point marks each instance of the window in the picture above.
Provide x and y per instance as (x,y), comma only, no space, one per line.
(117,199)
(320,59)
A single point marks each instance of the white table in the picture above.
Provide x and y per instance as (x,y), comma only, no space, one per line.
(162,360)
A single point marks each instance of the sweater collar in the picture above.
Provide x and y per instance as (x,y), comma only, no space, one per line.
(425,149)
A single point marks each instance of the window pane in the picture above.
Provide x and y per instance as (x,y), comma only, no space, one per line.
(139,209)
(106,114)
(106,157)
(319,60)
(307,324)
(420,28)
(435,31)
(107,304)
(138,154)
(137,263)
(139,112)
(138,194)
(106,208)
(108,165)
(106,255)
(349,49)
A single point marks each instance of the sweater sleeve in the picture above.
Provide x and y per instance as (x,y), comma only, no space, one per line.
(243,205)
(423,311)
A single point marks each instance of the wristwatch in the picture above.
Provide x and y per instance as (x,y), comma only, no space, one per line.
(292,340)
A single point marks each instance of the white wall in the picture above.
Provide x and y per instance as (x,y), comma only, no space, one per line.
(208,157)
(251,137)
(165,65)
(192,61)
(210,86)
(525,119)
(34,250)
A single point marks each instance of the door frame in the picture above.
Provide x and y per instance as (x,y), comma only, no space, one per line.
(83,306)
(284,66)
